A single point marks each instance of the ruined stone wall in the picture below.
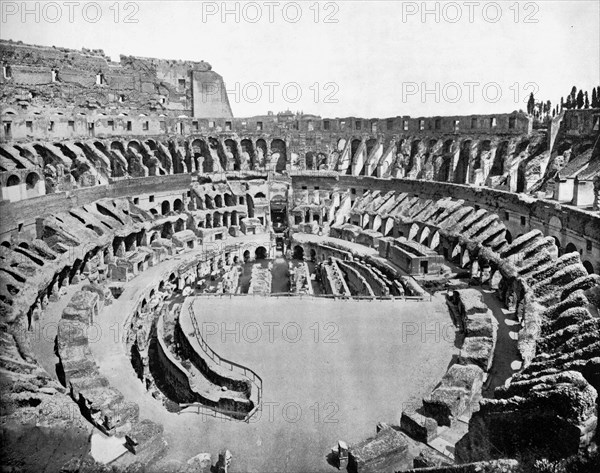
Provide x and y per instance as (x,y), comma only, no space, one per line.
(571,228)
(578,123)
(556,390)
(49,79)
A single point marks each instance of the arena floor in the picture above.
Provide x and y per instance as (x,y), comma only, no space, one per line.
(319,375)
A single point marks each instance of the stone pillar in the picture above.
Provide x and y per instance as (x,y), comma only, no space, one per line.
(120,249)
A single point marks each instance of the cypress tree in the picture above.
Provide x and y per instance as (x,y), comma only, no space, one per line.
(580,100)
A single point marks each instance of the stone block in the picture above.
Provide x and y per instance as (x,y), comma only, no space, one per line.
(418,426)
(478,351)
(445,403)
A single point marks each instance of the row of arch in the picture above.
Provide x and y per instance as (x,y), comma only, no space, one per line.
(455,161)
(431,238)
(31,180)
(458,161)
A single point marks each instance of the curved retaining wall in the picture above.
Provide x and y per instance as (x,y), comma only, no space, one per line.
(566,223)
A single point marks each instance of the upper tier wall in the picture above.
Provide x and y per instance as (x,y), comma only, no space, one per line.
(23,124)
(38,77)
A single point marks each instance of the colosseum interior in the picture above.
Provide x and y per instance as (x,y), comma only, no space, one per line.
(185,290)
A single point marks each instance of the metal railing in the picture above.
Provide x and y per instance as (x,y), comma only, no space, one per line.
(231,365)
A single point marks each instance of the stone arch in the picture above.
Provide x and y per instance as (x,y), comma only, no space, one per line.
(456,254)
(118,146)
(389,227)
(431,144)
(376,223)
(250,201)
(134,145)
(167,230)
(557,243)
(485,147)
(424,238)
(229,200)
(415,149)
(371,142)
(555,223)
(310,160)
(366,218)
(178,205)
(465,259)
(571,248)
(248,147)
(165,207)
(298,252)
(588,267)
(444,168)
(499,159)
(213,150)
(31,180)
(508,236)
(354,145)
(521,178)
(447,148)
(434,243)
(462,167)
(231,147)
(13,180)
(413,232)
(261,153)
(279,151)
(260,253)
(521,147)
(198,153)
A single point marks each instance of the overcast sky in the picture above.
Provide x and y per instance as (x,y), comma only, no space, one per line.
(345,58)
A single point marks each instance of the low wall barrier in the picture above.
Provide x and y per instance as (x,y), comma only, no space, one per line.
(427,297)
(231,365)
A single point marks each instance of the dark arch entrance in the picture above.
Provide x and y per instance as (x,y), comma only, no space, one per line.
(501,154)
(260,253)
(298,252)
(278,146)
(588,267)
(571,248)
(462,168)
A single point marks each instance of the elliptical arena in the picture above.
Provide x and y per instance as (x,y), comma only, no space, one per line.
(183,290)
